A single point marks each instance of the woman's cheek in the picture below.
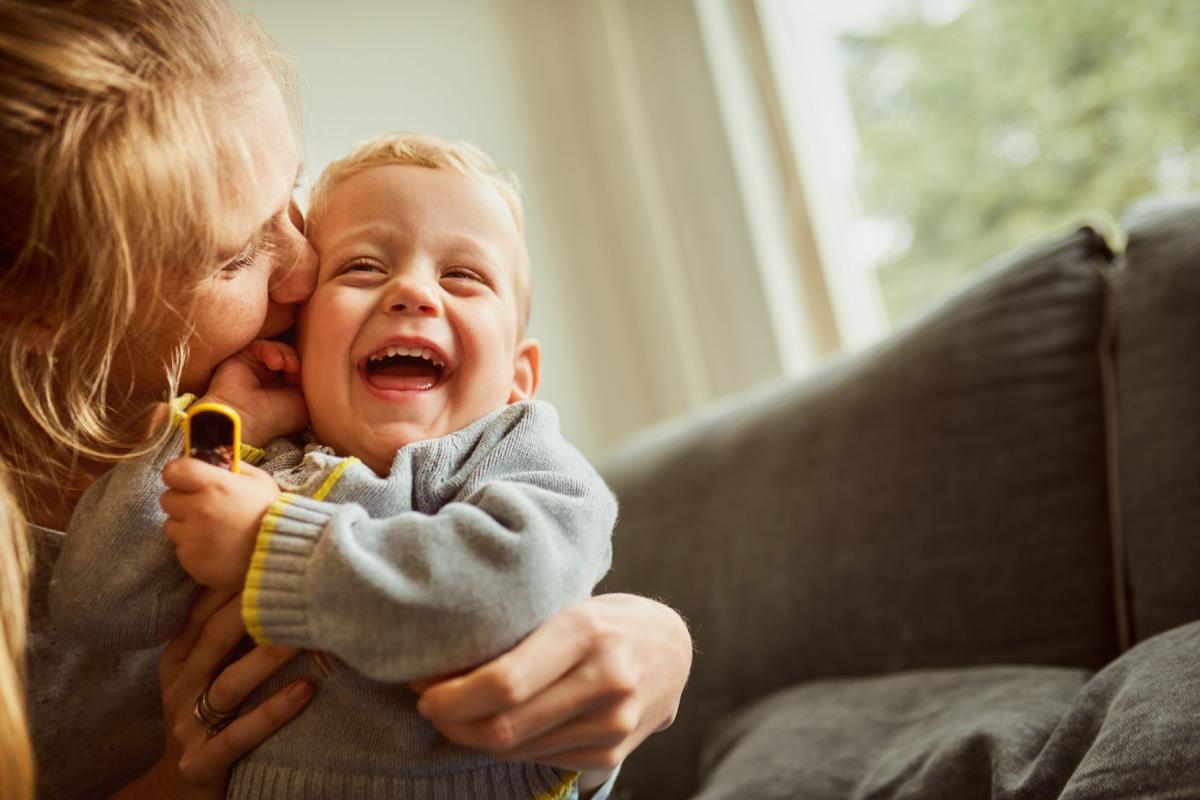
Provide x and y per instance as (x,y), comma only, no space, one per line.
(225,323)
(277,318)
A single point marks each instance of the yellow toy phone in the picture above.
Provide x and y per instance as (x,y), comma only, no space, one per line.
(213,434)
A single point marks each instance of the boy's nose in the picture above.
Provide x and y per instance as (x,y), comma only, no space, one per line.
(409,296)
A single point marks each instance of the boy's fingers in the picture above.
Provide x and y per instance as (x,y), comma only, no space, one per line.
(190,474)
(242,382)
(259,350)
(171,502)
(251,471)
(282,348)
(172,529)
(272,357)
(276,356)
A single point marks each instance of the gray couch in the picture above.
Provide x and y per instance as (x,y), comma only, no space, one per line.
(941,568)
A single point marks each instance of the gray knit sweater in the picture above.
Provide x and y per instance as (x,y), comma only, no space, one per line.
(95,716)
(470,542)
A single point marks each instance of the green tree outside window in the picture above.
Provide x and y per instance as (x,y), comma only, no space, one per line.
(1015,119)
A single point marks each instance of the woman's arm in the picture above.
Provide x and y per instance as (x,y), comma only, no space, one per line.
(116,585)
(195,765)
(581,692)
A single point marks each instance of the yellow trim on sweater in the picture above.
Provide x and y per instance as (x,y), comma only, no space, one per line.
(179,407)
(262,548)
(333,477)
(562,790)
(258,561)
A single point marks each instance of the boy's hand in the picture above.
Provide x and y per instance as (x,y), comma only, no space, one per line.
(263,383)
(214,517)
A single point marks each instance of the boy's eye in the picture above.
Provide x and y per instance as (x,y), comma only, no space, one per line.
(362,266)
(463,273)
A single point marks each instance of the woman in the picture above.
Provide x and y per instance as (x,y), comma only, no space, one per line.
(147,233)
(16,754)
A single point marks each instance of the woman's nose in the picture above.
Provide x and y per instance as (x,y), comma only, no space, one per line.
(292,282)
(300,278)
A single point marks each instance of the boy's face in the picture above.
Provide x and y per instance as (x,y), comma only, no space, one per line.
(412,330)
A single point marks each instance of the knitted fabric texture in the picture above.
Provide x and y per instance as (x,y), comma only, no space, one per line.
(468,544)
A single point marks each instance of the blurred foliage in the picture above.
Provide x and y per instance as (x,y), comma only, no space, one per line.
(1014,119)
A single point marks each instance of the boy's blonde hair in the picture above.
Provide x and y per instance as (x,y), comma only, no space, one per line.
(422,150)
(16,752)
(115,163)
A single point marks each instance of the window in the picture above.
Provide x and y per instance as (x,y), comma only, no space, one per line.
(952,130)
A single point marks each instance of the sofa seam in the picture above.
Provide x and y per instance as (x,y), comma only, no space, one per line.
(1106,355)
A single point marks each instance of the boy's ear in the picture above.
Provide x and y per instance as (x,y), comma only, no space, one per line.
(527,371)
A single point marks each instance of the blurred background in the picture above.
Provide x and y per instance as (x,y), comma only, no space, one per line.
(725,192)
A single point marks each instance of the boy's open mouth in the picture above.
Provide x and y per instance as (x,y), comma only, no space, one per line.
(404,368)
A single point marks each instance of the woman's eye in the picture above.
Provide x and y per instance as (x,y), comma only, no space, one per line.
(250,257)
(238,263)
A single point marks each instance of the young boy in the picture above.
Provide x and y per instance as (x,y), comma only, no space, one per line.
(440,518)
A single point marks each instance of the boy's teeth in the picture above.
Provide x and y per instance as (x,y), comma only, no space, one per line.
(419,352)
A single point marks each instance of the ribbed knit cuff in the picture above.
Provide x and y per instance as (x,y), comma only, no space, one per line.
(255,779)
(273,602)
(179,406)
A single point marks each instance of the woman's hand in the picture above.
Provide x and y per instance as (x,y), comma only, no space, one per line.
(196,765)
(580,692)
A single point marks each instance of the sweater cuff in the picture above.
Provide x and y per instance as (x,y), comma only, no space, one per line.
(179,406)
(604,791)
(273,602)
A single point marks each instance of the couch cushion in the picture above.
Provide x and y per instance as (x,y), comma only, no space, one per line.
(1158,360)
(939,500)
(977,734)
(954,734)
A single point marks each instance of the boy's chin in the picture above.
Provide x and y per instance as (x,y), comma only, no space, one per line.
(382,451)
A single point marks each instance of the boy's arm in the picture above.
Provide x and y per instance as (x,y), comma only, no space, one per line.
(526,533)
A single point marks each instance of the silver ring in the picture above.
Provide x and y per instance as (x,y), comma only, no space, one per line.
(213,721)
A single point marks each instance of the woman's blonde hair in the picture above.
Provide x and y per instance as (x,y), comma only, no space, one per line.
(111,141)
(422,150)
(16,753)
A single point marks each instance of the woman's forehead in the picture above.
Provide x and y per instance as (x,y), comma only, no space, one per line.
(262,166)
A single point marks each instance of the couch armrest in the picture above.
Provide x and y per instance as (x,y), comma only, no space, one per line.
(939,500)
